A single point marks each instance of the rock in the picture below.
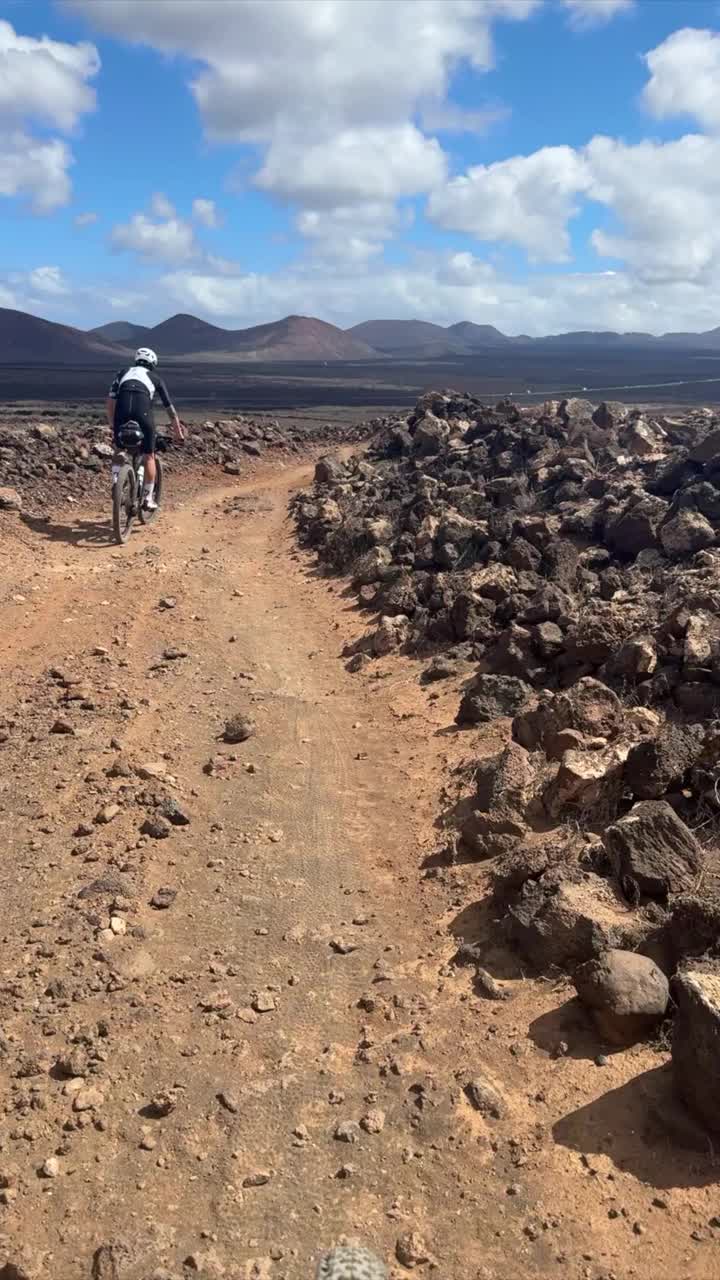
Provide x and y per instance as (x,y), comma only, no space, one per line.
(167,602)
(651,847)
(589,707)
(411,1250)
(264,1002)
(659,763)
(106,814)
(627,993)
(161,1105)
(171,654)
(163,898)
(239,728)
(153,771)
(567,916)
(391,634)
(430,435)
(373,1121)
(174,813)
(636,659)
(347,1131)
(50,1168)
(259,1179)
(357,663)
(372,566)
(155,827)
(685,533)
(490,697)
(586,780)
(329,470)
(88,1099)
(696,1039)
(229,1100)
(505,785)
(63,727)
(10,500)
(634,528)
(102,450)
(485,1098)
(707,449)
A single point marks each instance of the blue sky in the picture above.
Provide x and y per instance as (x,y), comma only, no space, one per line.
(535,164)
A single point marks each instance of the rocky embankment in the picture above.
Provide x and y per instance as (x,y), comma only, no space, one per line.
(567,562)
(66,453)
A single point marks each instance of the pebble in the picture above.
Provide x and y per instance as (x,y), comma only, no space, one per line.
(161,1105)
(118,925)
(147,1143)
(168,602)
(229,1101)
(602,1060)
(347,1131)
(88,1099)
(373,1122)
(63,727)
(239,728)
(50,1168)
(264,1002)
(411,1250)
(163,898)
(156,828)
(256,1179)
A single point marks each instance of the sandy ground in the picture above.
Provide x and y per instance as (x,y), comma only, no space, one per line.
(226,1085)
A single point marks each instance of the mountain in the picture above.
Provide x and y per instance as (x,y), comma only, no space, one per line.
(410,338)
(709,340)
(26,339)
(294,338)
(122,333)
(474,335)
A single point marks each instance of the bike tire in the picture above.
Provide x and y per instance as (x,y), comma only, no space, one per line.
(123,503)
(349,1263)
(147,517)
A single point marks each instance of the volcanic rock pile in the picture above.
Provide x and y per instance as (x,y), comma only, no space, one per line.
(70,453)
(572,555)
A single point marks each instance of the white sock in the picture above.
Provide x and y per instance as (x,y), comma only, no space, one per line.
(149,489)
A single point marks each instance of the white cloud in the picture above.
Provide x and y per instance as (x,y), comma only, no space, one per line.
(685,77)
(584,14)
(44,80)
(7,298)
(35,168)
(448,118)
(349,233)
(330,90)
(445,288)
(526,200)
(344,168)
(85,219)
(205,212)
(171,240)
(161,207)
(48,280)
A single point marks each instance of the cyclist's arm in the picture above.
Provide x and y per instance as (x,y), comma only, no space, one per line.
(111,398)
(169,407)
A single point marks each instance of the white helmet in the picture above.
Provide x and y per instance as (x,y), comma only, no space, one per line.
(144,355)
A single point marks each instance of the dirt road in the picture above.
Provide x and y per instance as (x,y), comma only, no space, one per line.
(231,1040)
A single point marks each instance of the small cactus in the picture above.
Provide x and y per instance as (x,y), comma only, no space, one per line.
(350,1263)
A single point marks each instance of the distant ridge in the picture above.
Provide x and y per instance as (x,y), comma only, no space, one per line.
(27,339)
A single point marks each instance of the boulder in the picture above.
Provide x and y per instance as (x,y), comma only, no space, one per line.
(634,527)
(589,707)
(391,634)
(586,780)
(329,471)
(504,788)
(707,449)
(656,764)
(372,566)
(430,435)
(610,414)
(696,1040)
(627,993)
(652,852)
(491,697)
(636,659)
(685,533)
(564,918)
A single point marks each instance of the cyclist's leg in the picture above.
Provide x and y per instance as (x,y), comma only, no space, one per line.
(149,433)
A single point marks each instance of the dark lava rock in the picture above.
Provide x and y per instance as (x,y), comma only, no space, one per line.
(627,993)
(652,849)
(696,1040)
(489,697)
(656,764)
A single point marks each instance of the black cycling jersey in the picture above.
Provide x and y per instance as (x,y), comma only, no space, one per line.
(133,390)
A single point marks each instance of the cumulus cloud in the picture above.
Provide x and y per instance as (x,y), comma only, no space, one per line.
(330,91)
(46,81)
(161,207)
(584,14)
(685,77)
(349,233)
(526,200)
(205,212)
(170,240)
(35,168)
(85,219)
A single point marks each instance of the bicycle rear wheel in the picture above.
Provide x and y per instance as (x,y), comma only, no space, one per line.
(146,517)
(123,503)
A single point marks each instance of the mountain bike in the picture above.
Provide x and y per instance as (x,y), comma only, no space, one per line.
(129,478)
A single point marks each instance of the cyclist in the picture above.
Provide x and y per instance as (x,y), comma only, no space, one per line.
(130,399)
